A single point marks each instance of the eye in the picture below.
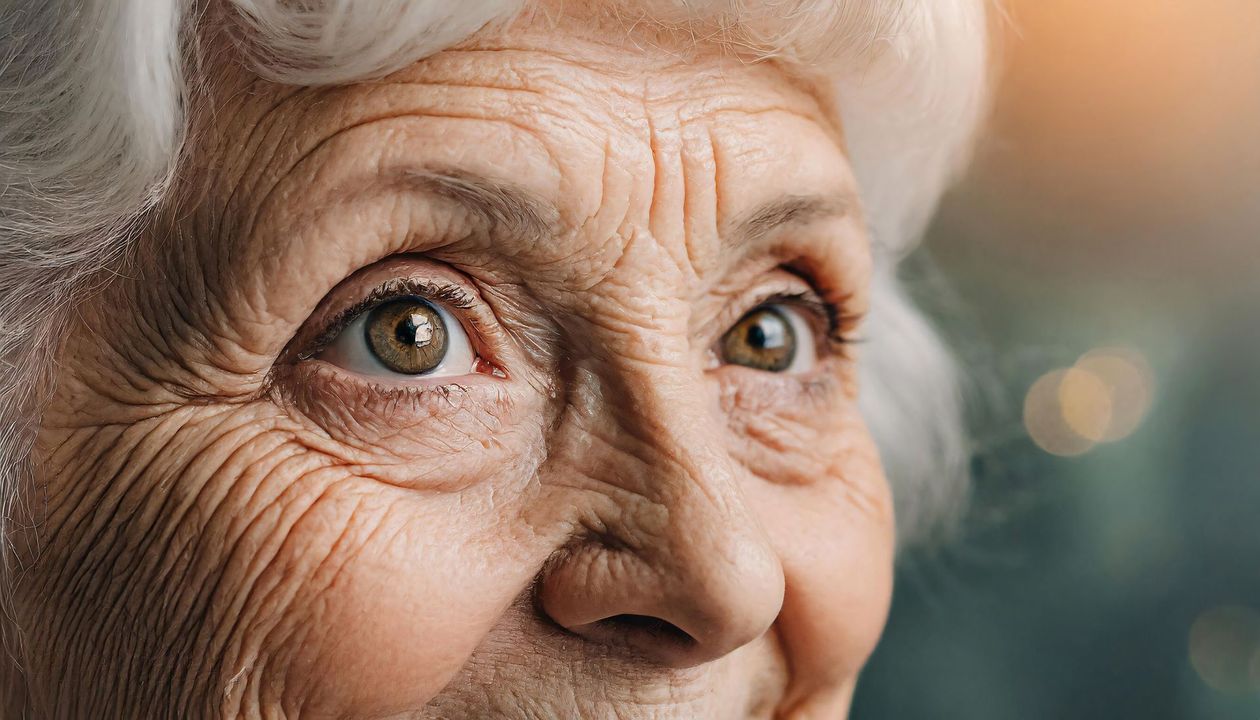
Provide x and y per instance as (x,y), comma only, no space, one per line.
(774,338)
(407,336)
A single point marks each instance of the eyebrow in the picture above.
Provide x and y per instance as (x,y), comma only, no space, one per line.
(516,211)
(789,210)
(505,207)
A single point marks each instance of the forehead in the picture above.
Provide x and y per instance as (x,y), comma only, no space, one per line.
(609,136)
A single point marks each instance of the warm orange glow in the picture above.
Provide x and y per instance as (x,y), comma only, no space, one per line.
(1121,131)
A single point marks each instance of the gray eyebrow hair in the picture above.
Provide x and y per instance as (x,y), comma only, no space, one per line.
(504,206)
(791,210)
(521,213)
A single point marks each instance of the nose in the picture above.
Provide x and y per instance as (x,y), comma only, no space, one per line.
(680,572)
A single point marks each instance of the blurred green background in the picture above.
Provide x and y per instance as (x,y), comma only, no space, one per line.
(1115,201)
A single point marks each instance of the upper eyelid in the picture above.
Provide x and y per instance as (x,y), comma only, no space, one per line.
(831,315)
(840,310)
(803,295)
(838,327)
(812,305)
(835,320)
(841,315)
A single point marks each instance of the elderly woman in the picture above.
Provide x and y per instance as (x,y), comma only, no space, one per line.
(479,359)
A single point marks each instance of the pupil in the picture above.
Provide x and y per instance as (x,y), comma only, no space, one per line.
(768,334)
(415,330)
(406,332)
(757,337)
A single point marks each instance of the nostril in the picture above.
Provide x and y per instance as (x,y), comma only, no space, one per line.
(655,627)
(648,627)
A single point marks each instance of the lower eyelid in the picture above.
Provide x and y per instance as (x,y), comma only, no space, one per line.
(353,408)
(746,391)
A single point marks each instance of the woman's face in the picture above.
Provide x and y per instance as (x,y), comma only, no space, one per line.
(519,384)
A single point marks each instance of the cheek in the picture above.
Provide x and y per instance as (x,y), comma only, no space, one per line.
(831,522)
(405,599)
(381,590)
(312,584)
(838,566)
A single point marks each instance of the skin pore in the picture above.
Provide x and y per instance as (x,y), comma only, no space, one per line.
(604,508)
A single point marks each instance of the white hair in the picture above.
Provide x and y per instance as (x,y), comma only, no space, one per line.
(92,100)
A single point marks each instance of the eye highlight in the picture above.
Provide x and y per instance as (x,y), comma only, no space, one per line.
(774,338)
(405,337)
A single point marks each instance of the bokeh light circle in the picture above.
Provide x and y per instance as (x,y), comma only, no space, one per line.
(1102,398)
(1044,419)
(1085,402)
(1224,645)
(1130,384)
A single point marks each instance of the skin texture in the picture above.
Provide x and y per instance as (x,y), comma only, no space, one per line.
(604,519)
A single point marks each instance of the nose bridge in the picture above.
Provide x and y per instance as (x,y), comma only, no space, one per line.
(688,551)
(675,450)
(720,576)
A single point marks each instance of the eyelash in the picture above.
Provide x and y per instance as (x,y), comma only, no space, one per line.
(839,334)
(452,296)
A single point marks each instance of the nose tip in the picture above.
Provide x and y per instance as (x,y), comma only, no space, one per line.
(686,606)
